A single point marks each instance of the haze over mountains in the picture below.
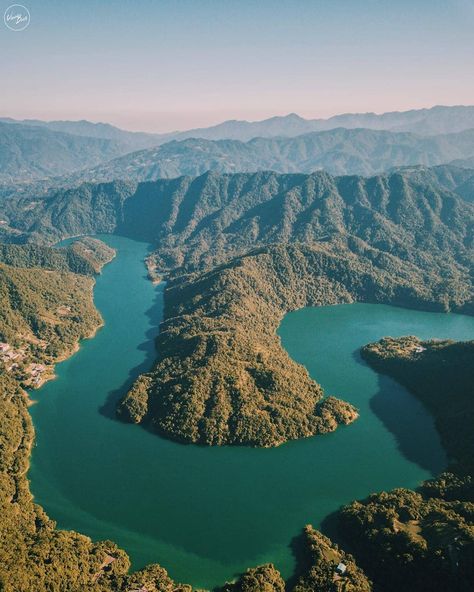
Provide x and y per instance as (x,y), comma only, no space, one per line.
(339,152)
(32,150)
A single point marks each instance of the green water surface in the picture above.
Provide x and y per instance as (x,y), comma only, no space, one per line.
(207,514)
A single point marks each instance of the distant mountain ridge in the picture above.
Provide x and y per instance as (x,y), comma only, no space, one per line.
(32,149)
(31,152)
(339,152)
(134,140)
(439,119)
(435,120)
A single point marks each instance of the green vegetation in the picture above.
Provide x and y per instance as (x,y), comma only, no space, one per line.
(85,256)
(47,217)
(44,312)
(423,540)
(239,251)
(406,541)
(319,573)
(44,308)
(33,554)
(441,375)
(222,376)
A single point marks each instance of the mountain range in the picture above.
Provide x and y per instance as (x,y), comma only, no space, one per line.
(368,143)
(340,152)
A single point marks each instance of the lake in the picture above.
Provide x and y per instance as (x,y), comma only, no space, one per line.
(206,514)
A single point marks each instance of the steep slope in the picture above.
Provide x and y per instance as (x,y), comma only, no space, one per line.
(396,213)
(34,555)
(407,236)
(199,222)
(85,256)
(45,309)
(37,330)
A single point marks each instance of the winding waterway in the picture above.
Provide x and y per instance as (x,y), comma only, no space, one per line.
(207,514)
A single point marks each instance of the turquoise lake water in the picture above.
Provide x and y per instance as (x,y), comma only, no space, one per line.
(207,514)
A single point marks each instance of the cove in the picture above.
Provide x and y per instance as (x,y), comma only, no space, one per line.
(206,514)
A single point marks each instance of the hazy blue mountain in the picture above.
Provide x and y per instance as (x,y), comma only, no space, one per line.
(467,163)
(33,152)
(132,140)
(432,121)
(340,151)
(457,179)
(437,120)
(285,144)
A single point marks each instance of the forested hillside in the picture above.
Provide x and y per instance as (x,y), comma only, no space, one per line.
(415,214)
(46,305)
(337,151)
(222,376)
(239,251)
(441,374)
(85,256)
(423,540)
(45,309)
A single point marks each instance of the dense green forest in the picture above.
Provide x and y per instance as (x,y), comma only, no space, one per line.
(85,256)
(46,304)
(222,375)
(423,540)
(412,226)
(441,374)
(414,214)
(34,555)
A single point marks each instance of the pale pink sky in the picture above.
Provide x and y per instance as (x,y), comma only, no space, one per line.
(163,65)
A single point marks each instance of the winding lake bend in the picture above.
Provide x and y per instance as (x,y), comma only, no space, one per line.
(206,514)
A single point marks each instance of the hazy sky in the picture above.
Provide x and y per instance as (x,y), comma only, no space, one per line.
(162,65)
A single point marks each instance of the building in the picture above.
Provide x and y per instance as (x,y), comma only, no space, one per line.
(341,569)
